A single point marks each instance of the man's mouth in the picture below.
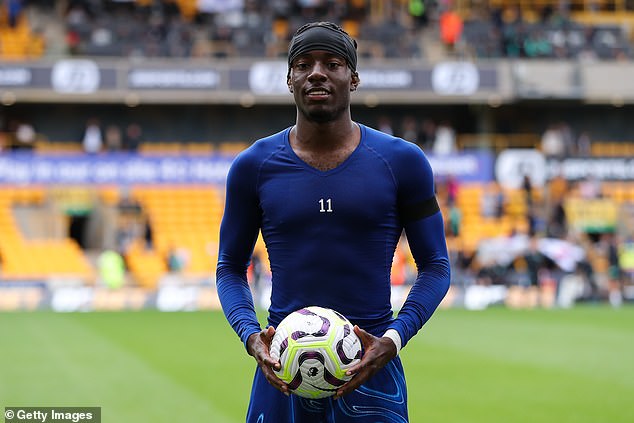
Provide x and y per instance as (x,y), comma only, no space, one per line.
(317,93)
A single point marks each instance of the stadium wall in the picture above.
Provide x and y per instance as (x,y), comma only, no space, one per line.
(239,100)
(249,82)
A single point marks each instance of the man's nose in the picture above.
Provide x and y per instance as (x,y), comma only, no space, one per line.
(318,70)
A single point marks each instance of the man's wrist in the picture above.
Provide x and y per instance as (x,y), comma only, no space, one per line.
(247,344)
(395,337)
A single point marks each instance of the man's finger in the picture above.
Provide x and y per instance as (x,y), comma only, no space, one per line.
(275,381)
(270,332)
(365,337)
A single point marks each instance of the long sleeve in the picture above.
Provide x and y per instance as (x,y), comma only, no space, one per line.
(424,228)
(427,243)
(238,234)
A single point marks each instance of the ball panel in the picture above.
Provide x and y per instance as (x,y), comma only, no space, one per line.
(315,347)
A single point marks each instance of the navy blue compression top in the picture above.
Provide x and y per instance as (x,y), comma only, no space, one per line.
(331,235)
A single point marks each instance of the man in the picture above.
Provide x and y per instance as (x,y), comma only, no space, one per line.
(331,198)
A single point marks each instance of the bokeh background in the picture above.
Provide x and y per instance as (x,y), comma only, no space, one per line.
(120,119)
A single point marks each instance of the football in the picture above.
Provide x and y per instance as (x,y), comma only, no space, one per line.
(315,346)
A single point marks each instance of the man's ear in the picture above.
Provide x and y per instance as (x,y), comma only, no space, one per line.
(288,84)
(354,84)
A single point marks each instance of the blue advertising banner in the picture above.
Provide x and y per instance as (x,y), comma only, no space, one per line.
(122,169)
(465,167)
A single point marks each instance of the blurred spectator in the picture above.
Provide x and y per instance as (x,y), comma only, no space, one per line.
(552,143)
(177,259)
(398,274)
(451,26)
(453,186)
(127,233)
(129,215)
(455,220)
(25,136)
(586,269)
(537,45)
(626,259)
(133,137)
(533,221)
(127,204)
(92,139)
(148,233)
(531,209)
(590,188)
(615,273)
(445,140)
(258,276)
(111,269)
(493,201)
(113,138)
(427,134)
(557,226)
(584,145)
(557,189)
(384,124)
(535,262)
(527,187)
(409,129)
(418,10)
(570,289)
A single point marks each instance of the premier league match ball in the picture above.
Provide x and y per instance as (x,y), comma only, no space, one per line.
(315,346)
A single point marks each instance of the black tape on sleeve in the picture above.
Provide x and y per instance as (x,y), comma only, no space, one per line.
(419,210)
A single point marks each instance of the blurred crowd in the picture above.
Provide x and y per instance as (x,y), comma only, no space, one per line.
(546,262)
(222,28)
(536,246)
(250,28)
(553,34)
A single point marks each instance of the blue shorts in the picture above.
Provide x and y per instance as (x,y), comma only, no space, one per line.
(382,399)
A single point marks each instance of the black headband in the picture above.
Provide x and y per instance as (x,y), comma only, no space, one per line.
(323,36)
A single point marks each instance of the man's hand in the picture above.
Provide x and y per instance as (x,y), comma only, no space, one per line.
(377,353)
(259,346)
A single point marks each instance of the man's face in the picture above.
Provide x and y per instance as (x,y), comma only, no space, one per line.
(321,83)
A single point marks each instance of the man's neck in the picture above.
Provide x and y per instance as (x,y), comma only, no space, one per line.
(324,137)
(325,146)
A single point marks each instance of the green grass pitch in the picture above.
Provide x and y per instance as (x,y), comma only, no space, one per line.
(496,365)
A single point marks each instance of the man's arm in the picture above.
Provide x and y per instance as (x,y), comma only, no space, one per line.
(427,242)
(238,234)
(424,228)
(430,252)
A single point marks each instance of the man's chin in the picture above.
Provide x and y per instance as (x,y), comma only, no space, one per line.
(322,116)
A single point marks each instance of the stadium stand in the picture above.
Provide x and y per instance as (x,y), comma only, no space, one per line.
(187,28)
(26,259)
(181,218)
(186,217)
(18,41)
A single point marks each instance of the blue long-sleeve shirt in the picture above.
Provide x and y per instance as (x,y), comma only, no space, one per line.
(331,235)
